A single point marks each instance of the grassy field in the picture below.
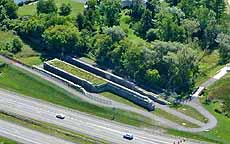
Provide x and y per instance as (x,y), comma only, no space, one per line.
(220,134)
(209,66)
(26,55)
(30,85)
(6,141)
(174,118)
(77,71)
(190,111)
(49,129)
(31,9)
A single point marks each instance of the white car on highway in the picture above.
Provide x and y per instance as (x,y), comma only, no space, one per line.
(60,116)
(128,136)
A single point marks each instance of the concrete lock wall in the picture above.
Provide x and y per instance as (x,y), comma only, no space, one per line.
(138,99)
(113,78)
(110,86)
(100,72)
(87,85)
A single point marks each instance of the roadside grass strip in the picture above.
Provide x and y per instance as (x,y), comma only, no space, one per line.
(23,82)
(192,112)
(6,141)
(77,72)
(174,118)
(49,129)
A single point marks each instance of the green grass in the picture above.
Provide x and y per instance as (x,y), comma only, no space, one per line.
(124,23)
(192,112)
(221,88)
(31,9)
(30,85)
(6,141)
(209,66)
(6,36)
(26,55)
(77,71)
(220,134)
(174,118)
(33,60)
(49,129)
(119,99)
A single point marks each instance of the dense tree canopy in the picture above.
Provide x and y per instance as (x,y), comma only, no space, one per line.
(65,9)
(46,6)
(8,9)
(62,38)
(153,44)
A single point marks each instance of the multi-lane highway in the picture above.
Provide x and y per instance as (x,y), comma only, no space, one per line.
(27,136)
(79,122)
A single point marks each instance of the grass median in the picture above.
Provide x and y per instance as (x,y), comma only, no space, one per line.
(6,141)
(174,118)
(20,81)
(192,112)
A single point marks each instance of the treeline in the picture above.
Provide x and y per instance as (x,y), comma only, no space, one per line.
(172,32)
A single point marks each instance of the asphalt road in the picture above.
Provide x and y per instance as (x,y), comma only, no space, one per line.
(27,136)
(79,122)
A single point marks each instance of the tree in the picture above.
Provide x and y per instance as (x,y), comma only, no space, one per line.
(152,77)
(191,27)
(137,9)
(62,38)
(224,44)
(46,6)
(16,45)
(3,14)
(168,27)
(91,15)
(110,9)
(151,35)
(173,2)
(153,6)
(218,6)
(188,6)
(65,9)
(145,23)
(10,8)
(81,21)
(115,32)
(104,47)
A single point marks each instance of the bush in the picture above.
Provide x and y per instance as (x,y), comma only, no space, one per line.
(16,45)
(218,110)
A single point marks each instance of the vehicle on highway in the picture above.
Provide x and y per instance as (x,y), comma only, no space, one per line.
(128,136)
(60,116)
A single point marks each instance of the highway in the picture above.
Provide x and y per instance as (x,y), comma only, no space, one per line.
(27,136)
(79,122)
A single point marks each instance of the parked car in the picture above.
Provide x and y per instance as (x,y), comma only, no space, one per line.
(60,116)
(128,136)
